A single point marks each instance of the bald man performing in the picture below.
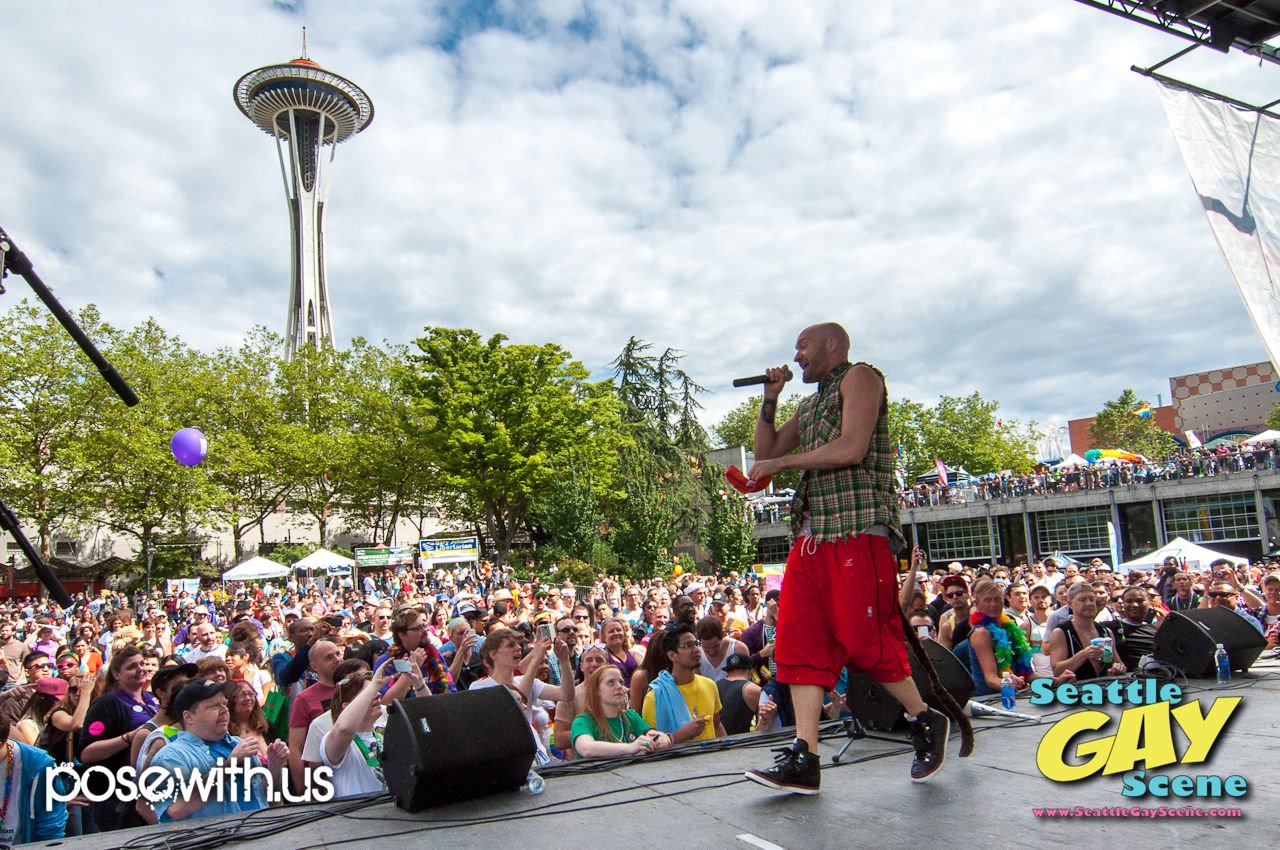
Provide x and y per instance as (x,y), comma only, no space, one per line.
(839,604)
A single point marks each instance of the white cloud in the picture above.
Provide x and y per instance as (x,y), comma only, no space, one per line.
(988,202)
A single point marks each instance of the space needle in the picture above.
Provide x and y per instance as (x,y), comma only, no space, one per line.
(305,107)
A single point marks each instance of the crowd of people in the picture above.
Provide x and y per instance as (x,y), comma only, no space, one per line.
(1223,459)
(293,678)
(1083,622)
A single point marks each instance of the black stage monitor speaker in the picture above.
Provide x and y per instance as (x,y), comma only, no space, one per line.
(877,709)
(450,747)
(1188,639)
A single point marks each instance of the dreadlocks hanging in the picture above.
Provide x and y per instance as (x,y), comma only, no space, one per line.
(948,706)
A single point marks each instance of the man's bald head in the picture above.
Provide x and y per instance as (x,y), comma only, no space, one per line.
(819,349)
(830,331)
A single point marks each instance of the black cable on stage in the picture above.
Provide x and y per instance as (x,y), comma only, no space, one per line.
(269,822)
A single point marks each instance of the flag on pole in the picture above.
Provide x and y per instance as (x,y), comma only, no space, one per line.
(942,472)
(1144,411)
(1192,440)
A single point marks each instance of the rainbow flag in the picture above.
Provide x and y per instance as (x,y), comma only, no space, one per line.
(1144,411)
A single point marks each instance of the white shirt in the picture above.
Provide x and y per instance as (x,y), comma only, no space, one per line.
(352,774)
(193,655)
(315,734)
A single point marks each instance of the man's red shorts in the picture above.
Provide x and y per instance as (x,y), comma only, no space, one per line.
(839,608)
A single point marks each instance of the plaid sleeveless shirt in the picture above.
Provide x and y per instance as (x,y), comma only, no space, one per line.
(851,499)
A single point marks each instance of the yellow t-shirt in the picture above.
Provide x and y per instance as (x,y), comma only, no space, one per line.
(702,698)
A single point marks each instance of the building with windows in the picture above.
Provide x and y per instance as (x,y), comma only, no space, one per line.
(1234,513)
(1220,404)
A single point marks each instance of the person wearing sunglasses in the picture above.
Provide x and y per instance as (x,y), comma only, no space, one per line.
(1223,594)
(953,626)
(567,631)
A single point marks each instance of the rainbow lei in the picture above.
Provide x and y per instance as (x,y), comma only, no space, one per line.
(1010,645)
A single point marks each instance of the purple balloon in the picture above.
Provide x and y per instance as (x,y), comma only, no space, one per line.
(189,447)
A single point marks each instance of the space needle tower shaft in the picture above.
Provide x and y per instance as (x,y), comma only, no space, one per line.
(305,109)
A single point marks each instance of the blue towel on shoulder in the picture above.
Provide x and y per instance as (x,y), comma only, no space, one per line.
(670,711)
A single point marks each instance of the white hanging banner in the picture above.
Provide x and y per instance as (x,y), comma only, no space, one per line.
(1233,156)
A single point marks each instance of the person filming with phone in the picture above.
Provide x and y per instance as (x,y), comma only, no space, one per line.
(503,657)
(410,649)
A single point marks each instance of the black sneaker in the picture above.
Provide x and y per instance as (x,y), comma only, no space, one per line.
(929,731)
(795,769)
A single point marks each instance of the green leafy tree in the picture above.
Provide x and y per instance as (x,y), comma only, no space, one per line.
(729,524)
(648,518)
(968,431)
(318,450)
(738,427)
(663,507)
(247,432)
(392,471)
(906,434)
(52,402)
(1118,426)
(140,490)
(497,415)
(1273,418)
(567,518)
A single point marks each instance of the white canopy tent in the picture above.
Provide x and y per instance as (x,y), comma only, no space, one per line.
(323,559)
(1268,436)
(1197,557)
(1071,461)
(256,569)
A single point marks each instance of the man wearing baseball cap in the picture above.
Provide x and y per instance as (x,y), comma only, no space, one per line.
(1269,612)
(203,746)
(746,708)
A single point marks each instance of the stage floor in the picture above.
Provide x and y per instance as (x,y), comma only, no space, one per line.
(867,800)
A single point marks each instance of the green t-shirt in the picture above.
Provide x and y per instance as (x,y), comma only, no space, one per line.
(622,729)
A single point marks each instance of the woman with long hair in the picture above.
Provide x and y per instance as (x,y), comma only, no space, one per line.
(654,663)
(112,723)
(592,657)
(61,734)
(438,628)
(247,720)
(67,717)
(241,668)
(608,726)
(615,634)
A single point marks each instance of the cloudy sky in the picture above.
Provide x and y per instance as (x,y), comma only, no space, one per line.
(982,192)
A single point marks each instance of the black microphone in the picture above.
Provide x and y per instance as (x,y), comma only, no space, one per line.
(760,379)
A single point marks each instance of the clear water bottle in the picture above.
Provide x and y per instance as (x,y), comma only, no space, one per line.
(1007,692)
(534,783)
(1222,661)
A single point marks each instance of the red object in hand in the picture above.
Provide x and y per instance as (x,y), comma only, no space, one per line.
(742,483)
